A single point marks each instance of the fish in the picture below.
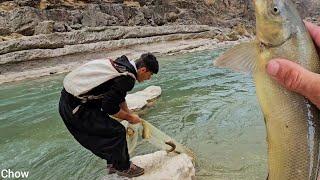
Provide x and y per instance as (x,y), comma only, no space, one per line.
(154,136)
(291,120)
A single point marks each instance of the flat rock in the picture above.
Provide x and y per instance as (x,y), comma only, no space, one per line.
(161,165)
(139,100)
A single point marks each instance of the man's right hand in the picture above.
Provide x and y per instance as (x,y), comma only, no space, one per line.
(296,78)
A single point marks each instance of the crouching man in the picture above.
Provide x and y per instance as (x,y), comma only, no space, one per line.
(93,92)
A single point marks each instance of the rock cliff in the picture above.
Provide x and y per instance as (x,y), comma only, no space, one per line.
(31,17)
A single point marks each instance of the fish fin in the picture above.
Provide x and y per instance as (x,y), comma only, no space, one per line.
(268,177)
(241,57)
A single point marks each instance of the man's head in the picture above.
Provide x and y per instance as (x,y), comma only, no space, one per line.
(147,65)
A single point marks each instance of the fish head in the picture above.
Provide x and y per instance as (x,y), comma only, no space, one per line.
(276,21)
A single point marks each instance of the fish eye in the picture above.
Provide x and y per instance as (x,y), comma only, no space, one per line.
(276,10)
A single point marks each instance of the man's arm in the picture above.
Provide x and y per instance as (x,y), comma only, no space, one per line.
(130,117)
(124,107)
(114,101)
(126,114)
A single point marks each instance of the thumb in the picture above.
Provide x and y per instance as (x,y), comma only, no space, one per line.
(288,74)
(295,78)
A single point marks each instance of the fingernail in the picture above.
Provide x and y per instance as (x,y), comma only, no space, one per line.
(273,68)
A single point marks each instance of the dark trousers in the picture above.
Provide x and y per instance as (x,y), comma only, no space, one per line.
(96,131)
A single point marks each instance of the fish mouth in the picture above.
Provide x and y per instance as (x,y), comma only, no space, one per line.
(269,45)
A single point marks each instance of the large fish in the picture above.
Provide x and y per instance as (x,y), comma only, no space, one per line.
(292,122)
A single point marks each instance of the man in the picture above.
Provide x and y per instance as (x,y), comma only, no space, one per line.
(92,93)
(294,77)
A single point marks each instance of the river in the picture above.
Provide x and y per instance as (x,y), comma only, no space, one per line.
(212,111)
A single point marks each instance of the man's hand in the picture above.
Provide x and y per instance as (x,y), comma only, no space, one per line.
(134,119)
(294,77)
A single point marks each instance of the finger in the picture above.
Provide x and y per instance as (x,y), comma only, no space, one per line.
(290,75)
(314,31)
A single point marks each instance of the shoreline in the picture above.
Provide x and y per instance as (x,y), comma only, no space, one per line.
(63,64)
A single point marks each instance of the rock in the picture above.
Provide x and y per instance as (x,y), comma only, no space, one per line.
(94,17)
(233,36)
(59,27)
(117,10)
(89,35)
(8,6)
(171,17)
(4,31)
(161,165)
(165,166)
(24,20)
(45,27)
(221,38)
(138,20)
(139,100)
(142,12)
(31,3)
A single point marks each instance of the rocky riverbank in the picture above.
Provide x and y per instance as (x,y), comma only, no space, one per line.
(45,54)
(43,37)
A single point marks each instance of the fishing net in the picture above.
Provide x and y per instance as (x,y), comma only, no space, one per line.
(147,132)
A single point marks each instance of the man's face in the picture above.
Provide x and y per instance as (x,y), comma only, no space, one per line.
(143,74)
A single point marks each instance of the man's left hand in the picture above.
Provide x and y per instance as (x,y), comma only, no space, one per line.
(134,119)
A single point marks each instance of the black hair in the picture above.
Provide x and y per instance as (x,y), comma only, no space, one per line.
(149,61)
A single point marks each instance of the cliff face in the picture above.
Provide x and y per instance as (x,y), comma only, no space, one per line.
(30,17)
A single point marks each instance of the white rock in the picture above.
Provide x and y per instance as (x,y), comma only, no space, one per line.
(160,165)
(139,100)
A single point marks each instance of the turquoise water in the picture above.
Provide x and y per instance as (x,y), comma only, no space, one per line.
(212,111)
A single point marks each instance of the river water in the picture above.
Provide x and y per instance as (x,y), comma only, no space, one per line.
(212,111)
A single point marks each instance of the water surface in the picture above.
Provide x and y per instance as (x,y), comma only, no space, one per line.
(213,111)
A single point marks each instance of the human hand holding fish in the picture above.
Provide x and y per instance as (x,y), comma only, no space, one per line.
(296,78)
(292,121)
